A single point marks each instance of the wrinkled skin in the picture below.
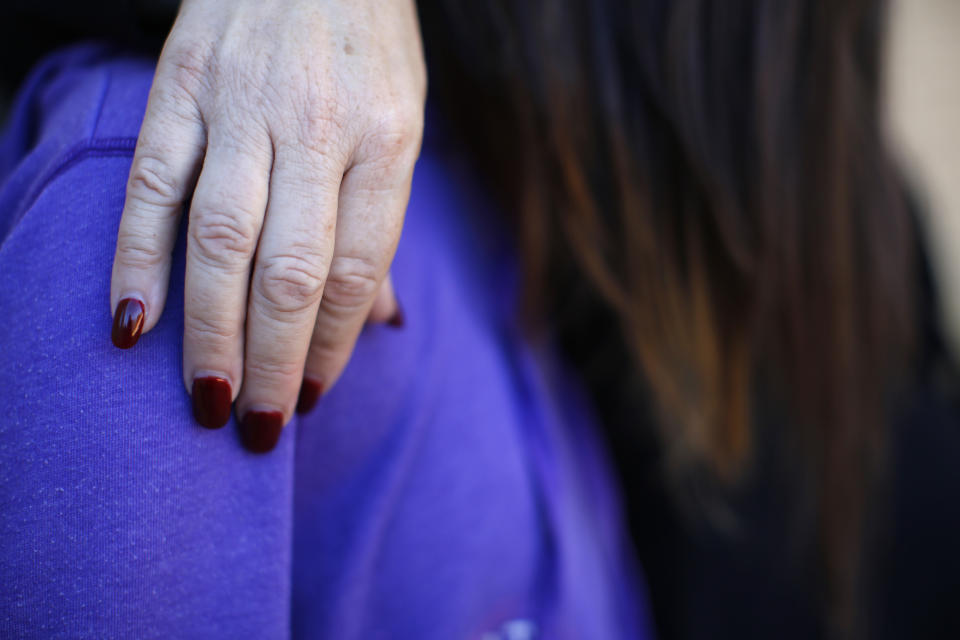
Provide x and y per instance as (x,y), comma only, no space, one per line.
(291,128)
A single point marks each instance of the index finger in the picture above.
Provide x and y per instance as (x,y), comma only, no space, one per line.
(165,165)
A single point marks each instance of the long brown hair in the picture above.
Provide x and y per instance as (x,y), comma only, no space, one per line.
(710,177)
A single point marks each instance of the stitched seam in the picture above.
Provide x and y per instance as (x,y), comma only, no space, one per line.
(95,148)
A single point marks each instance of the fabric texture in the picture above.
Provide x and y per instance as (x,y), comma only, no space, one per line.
(452,484)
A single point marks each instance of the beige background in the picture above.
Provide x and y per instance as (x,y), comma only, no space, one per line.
(924,122)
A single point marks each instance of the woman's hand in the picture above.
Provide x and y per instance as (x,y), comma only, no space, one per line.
(295,124)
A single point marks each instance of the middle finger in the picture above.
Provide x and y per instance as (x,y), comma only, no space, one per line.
(226,216)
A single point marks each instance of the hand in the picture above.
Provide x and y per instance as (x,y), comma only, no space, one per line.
(296,125)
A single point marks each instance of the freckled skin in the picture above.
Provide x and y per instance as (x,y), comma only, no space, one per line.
(295,153)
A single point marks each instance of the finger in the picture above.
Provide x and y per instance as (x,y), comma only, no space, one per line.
(372,203)
(226,217)
(164,169)
(289,276)
(386,308)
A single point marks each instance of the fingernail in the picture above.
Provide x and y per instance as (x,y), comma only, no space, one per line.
(397,320)
(127,323)
(211,401)
(310,392)
(260,430)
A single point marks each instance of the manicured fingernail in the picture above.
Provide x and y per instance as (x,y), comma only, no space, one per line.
(397,320)
(310,392)
(127,323)
(211,401)
(260,430)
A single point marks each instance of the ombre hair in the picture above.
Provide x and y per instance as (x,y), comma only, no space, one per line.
(703,185)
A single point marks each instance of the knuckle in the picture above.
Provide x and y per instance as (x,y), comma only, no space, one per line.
(222,239)
(211,329)
(351,284)
(137,252)
(152,181)
(396,130)
(320,127)
(271,368)
(317,107)
(189,64)
(292,282)
(324,353)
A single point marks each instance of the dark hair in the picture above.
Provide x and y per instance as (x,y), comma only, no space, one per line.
(711,177)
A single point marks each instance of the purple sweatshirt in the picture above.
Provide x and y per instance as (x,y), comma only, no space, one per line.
(452,485)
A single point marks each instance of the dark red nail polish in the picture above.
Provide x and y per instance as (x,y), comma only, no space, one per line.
(397,320)
(127,323)
(310,392)
(260,430)
(211,401)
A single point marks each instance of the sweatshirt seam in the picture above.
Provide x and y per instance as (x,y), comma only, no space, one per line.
(109,147)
